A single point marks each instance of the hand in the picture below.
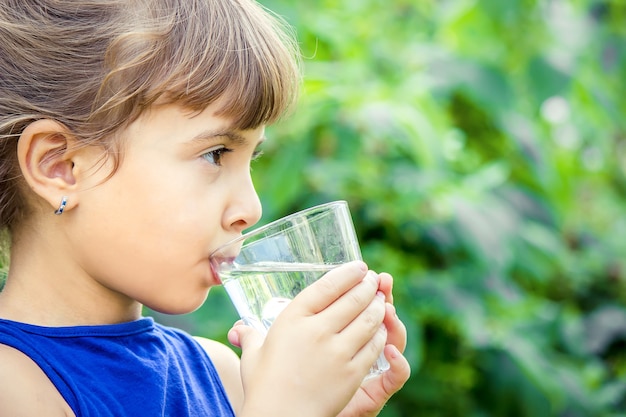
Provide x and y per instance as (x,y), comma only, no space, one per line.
(319,349)
(375,392)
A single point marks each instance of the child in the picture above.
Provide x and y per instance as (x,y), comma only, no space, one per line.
(126,134)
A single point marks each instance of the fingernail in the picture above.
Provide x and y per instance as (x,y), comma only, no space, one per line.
(362,266)
(380,295)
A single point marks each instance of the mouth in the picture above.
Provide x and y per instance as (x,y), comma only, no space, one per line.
(218,263)
(215,264)
(224,256)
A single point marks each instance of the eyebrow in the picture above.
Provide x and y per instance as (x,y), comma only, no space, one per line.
(232,136)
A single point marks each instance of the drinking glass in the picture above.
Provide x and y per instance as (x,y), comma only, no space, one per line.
(264,269)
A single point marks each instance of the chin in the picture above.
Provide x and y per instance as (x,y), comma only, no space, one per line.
(185,305)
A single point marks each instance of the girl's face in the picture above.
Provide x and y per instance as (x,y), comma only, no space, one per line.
(183,188)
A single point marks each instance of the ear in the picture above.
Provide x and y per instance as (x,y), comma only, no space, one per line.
(45,158)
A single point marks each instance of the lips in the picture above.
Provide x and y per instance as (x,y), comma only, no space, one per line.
(218,263)
(224,256)
(215,264)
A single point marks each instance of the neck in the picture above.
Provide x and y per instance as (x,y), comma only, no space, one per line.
(46,288)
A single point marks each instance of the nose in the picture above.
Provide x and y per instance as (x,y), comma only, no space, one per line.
(245,208)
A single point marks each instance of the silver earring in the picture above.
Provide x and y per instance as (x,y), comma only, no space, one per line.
(61,208)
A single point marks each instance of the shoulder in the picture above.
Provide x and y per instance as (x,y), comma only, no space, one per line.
(25,389)
(227,364)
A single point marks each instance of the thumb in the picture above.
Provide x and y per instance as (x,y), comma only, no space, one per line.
(399,372)
(244,337)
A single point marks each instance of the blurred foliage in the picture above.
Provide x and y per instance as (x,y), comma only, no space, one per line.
(481,146)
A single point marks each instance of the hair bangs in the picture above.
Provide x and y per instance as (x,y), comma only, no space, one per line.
(246,59)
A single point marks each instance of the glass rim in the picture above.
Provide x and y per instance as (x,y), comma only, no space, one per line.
(273,223)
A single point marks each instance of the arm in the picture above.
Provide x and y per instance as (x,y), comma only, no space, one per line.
(25,391)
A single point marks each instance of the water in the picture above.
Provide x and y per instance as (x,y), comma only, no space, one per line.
(261,291)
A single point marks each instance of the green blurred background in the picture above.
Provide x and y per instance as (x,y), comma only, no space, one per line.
(481,146)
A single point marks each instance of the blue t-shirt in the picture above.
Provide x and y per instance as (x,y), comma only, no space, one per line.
(135,369)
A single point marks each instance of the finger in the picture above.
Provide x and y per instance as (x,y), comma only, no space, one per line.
(353,303)
(364,327)
(380,388)
(323,292)
(371,350)
(244,337)
(398,373)
(396,330)
(386,286)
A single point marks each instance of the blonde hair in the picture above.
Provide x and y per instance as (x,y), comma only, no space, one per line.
(96,65)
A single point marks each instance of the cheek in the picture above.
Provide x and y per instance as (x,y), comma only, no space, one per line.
(158,260)
(145,193)
(140,219)
(147,233)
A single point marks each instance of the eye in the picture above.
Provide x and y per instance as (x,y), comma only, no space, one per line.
(214,156)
